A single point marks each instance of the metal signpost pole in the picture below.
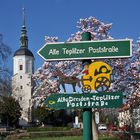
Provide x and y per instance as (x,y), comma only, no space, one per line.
(87,113)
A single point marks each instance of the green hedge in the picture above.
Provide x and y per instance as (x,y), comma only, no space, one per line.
(55,133)
(36,129)
(107,138)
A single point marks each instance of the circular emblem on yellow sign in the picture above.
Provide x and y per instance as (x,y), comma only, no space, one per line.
(97,76)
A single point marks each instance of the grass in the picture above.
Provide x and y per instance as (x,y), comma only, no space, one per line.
(57,138)
(69,138)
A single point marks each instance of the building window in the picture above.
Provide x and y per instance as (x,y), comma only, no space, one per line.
(20,67)
(21,87)
(20,77)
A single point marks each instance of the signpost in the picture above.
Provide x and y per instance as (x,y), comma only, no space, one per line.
(87,112)
(88,100)
(86,50)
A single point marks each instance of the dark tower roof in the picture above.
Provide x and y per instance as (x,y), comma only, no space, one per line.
(23,50)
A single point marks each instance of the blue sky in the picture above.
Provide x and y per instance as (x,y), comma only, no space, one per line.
(59,18)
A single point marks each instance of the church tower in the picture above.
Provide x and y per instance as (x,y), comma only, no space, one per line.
(22,83)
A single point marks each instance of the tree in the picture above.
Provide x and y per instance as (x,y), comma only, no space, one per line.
(5,82)
(10,111)
(132,91)
(47,116)
(40,114)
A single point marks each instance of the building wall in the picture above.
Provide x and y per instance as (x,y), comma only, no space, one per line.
(26,61)
(22,86)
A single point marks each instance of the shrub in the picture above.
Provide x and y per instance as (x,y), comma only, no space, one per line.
(77,132)
(34,129)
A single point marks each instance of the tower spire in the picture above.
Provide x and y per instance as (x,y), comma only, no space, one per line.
(23,37)
(23,14)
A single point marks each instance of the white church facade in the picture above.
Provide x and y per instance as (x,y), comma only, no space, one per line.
(22,83)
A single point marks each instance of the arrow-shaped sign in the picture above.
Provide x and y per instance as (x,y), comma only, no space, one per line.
(89,100)
(86,50)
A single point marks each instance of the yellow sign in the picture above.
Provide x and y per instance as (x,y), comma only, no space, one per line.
(96,76)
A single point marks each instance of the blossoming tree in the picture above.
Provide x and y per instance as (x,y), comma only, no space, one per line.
(48,77)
